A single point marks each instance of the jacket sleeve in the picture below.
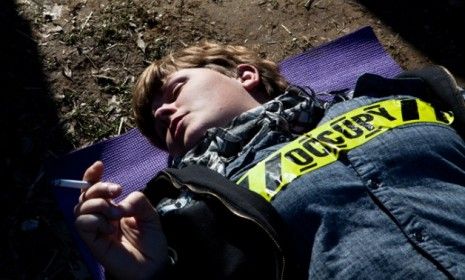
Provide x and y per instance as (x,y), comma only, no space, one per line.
(227,232)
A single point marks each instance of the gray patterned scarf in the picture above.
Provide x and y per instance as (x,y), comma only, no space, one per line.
(292,113)
(296,111)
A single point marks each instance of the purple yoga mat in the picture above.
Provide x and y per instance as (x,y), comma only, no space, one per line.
(131,161)
(337,64)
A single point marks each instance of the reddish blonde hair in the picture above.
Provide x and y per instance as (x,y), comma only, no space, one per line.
(221,58)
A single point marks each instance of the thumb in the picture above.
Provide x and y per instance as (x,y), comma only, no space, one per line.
(143,227)
(137,205)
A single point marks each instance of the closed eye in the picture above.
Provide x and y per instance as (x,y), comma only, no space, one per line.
(176,90)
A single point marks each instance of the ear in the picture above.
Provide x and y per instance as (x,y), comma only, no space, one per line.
(248,76)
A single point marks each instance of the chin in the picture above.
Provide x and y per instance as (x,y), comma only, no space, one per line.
(192,138)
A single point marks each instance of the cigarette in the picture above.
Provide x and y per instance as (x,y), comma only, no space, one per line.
(74,184)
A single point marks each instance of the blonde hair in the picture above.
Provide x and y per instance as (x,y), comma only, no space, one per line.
(221,58)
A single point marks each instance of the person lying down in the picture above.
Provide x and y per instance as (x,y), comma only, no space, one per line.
(370,185)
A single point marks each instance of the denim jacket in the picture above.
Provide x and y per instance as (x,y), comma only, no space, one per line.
(393,207)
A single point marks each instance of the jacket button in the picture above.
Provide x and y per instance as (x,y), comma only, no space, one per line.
(374,184)
(418,235)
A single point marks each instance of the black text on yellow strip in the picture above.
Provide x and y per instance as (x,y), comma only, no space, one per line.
(322,145)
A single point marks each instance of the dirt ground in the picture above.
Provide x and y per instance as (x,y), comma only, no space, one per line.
(68,68)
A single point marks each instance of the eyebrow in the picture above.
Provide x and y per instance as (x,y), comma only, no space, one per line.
(158,99)
(167,81)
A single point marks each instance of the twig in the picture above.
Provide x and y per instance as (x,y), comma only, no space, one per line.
(114,45)
(34,184)
(308,4)
(38,4)
(121,121)
(287,29)
(316,4)
(93,64)
(25,35)
(55,253)
(125,59)
(104,78)
(87,20)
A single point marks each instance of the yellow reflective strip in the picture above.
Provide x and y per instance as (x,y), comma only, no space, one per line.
(322,145)
(426,111)
(449,117)
(257,180)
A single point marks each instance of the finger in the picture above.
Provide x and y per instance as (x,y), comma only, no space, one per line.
(142,227)
(137,205)
(99,206)
(102,190)
(91,225)
(94,172)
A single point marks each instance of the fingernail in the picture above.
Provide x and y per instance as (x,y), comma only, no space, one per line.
(112,188)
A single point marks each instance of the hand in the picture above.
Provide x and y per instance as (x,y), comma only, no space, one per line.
(126,238)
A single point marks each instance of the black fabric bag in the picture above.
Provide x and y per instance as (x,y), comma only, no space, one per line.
(228,232)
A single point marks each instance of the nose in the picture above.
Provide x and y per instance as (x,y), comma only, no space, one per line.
(162,117)
(164,112)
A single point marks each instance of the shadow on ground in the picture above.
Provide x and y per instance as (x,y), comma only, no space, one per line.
(30,134)
(434,27)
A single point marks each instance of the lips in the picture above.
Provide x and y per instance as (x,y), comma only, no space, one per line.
(176,128)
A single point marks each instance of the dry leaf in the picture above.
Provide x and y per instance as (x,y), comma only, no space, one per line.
(140,42)
(67,72)
(54,12)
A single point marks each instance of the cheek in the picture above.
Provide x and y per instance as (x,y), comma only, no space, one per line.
(221,115)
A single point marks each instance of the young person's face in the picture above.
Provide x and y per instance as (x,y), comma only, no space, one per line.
(196,99)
